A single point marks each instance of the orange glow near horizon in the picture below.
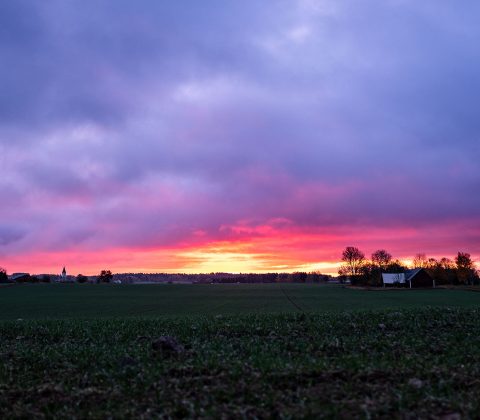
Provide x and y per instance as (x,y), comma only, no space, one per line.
(217,257)
(260,250)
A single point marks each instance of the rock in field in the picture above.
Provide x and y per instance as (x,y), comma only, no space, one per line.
(415,383)
(167,345)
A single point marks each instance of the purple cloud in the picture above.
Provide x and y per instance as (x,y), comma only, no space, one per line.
(138,125)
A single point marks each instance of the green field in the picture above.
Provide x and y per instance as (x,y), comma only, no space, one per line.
(244,351)
(60,301)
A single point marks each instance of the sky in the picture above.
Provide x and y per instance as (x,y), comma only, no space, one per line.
(239,136)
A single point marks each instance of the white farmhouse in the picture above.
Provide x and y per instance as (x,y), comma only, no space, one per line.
(417,277)
(393,278)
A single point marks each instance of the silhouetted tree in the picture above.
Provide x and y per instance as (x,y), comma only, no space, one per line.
(105,276)
(446,263)
(370,274)
(463,260)
(353,259)
(282,277)
(298,277)
(395,267)
(444,271)
(316,277)
(3,275)
(420,261)
(381,258)
(435,270)
(431,263)
(466,273)
(82,279)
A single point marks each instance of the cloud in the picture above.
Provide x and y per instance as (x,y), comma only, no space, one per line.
(157,126)
(10,234)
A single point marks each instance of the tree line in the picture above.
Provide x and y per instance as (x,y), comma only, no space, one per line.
(361,270)
(105,276)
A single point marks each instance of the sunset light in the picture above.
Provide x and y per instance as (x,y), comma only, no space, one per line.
(267,142)
(245,209)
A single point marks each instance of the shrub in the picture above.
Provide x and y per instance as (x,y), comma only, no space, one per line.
(46,279)
(105,276)
(82,279)
(3,275)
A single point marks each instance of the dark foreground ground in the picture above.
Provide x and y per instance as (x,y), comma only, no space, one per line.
(394,363)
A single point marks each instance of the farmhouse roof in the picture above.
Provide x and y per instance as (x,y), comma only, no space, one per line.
(410,274)
(16,276)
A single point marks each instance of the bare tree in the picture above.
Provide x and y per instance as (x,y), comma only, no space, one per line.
(381,258)
(446,263)
(420,261)
(432,263)
(353,259)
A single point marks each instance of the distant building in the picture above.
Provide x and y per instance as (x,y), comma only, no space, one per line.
(64,274)
(393,278)
(417,277)
(19,277)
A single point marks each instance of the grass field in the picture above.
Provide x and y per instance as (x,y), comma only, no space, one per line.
(243,351)
(60,301)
